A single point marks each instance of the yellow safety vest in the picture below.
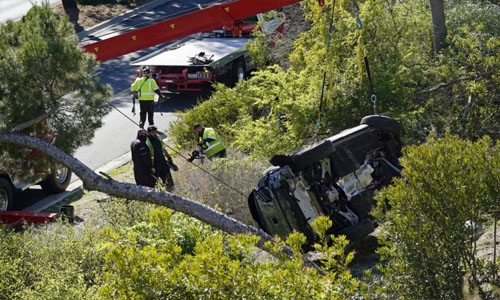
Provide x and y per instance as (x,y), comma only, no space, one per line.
(213,147)
(145,87)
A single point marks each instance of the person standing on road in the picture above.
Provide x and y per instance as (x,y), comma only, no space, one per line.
(162,161)
(145,89)
(209,142)
(141,158)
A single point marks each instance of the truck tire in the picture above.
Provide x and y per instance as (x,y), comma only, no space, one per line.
(385,123)
(6,195)
(58,181)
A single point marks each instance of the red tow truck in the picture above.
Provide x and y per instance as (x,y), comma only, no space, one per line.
(212,49)
(53,180)
(194,63)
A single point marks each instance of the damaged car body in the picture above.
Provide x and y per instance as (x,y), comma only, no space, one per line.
(336,177)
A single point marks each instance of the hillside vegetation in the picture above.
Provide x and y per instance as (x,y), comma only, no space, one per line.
(312,90)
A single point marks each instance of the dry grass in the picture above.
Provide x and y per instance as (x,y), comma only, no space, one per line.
(223,184)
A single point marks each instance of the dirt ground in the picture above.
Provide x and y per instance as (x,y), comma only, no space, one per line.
(87,16)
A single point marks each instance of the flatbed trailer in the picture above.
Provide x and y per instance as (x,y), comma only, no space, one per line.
(195,63)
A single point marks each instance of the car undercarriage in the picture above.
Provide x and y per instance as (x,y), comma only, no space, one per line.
(336,177)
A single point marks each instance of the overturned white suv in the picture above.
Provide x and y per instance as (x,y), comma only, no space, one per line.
(335,177)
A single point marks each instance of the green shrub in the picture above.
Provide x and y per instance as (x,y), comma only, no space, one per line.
(146,262)
(447,183)
(53,262)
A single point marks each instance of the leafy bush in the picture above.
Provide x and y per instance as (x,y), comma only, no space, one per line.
(50,263)
(448,183)
(146,263)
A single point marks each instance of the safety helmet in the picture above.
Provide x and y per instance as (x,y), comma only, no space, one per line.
(145,69)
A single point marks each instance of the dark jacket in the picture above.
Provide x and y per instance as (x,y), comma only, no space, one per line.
(159,161)
(141,159)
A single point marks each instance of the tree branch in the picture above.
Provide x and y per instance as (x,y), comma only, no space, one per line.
(94,182)
(31,122)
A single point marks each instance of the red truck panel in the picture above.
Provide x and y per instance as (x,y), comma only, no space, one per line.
(17,218)
(216,16)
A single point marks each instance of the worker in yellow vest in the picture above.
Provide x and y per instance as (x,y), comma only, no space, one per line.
(144,89)
(209,142)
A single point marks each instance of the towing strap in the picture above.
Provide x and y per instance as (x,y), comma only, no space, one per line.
(362,51)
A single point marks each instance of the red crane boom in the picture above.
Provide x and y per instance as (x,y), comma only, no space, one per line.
(216,16)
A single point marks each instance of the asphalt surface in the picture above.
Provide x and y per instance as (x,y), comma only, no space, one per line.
(121,125)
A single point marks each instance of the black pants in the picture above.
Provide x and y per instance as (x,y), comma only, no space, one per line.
(163,173)
(147,107)
(220,154)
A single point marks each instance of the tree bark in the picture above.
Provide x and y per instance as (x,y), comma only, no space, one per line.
(438,25)
(73,12)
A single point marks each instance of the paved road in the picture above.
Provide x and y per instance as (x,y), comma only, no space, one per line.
(15,9)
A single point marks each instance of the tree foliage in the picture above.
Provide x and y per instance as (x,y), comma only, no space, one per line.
(48,81)
(449,187)
(351,54)
(167,256)
(146,262)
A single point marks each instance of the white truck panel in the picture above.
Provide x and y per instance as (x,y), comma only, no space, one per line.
(179,55)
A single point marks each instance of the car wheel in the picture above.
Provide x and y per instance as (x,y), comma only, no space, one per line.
(385,123)
(6,195)
(307,157)
(58,181)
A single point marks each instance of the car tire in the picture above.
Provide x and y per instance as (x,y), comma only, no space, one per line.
(306,158)
(385,123)
(6,195)
(58,181)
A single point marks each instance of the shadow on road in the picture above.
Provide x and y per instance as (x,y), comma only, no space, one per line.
(178,102)
(28,197)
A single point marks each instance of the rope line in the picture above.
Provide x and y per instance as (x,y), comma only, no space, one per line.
(373,96)
(320,108)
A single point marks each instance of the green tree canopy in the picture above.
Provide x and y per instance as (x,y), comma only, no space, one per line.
(450,185)
(48,83)
(327,82)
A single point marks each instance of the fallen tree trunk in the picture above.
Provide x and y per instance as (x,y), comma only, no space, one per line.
(94,182)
